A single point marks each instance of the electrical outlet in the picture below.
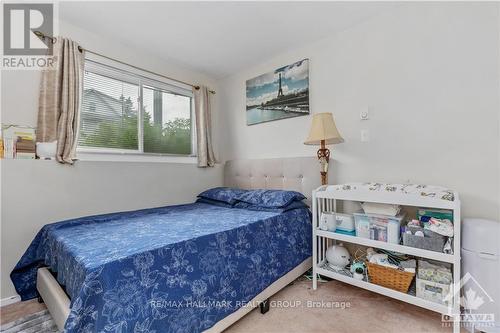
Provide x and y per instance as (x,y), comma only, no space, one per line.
(365,135)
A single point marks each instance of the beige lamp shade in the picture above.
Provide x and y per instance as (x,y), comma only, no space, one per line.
(323,128)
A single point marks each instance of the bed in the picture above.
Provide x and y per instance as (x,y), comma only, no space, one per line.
(186,268)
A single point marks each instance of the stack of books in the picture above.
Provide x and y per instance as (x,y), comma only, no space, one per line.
(25,148)
(19,142)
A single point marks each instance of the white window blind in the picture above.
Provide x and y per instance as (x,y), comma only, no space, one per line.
(123,112)
(109,117)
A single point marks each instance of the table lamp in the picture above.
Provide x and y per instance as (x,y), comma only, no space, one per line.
(323,131)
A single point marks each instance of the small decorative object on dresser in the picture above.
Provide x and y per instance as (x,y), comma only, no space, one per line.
(323,131)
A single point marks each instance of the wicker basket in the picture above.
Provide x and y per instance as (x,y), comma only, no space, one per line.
(390,277)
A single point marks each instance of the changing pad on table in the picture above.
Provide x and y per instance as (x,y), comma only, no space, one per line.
(415,190)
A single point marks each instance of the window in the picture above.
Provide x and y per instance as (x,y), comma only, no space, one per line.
(167,122)
(127,113)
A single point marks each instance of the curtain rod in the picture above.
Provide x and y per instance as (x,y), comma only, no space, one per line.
(81,49)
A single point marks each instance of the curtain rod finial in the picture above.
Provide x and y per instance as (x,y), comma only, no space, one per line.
(198,88)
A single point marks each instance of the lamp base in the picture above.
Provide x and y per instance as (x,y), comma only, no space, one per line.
(324,157)
(324,178)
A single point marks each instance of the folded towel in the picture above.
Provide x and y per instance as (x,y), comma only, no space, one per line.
(381,209)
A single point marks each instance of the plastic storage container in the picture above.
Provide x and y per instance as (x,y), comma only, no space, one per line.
(363,224)
(481,268)
(345,222)
(378,227)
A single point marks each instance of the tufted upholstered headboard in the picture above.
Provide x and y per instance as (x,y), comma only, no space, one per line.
(299,174)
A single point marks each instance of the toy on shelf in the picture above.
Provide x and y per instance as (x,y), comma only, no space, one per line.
(358,266)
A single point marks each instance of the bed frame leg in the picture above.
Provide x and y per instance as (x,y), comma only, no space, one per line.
(264,306)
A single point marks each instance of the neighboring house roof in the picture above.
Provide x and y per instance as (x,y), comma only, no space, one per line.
(113,106)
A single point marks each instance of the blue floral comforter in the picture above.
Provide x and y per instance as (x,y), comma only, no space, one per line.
(170,269)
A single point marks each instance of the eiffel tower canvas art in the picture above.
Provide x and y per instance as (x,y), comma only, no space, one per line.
(282,93)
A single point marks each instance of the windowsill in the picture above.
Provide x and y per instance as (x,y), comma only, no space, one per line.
(130,157)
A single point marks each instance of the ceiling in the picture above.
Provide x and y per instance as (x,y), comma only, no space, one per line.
(217,38)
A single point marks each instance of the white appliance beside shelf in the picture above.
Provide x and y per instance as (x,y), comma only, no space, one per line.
(325,199)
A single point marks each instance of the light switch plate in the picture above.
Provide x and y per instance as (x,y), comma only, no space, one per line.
(364,114)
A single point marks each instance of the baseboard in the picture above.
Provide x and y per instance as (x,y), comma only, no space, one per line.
(10,300)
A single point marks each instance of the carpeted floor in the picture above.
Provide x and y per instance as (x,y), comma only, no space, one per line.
(367,312)
(336,307)
(39,322)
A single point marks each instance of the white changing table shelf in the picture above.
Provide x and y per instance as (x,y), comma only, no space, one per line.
(325,199)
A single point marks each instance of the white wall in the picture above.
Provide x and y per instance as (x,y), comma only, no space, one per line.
(428,73)
(35,193)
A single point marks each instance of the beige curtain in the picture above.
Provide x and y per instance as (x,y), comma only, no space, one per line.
(202,109)
(60,98)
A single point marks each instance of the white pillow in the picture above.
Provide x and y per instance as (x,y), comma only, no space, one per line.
(46,150)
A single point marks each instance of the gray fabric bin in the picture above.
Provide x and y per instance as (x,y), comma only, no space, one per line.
(427,243)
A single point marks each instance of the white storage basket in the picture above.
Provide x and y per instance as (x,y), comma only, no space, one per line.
(433,291)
